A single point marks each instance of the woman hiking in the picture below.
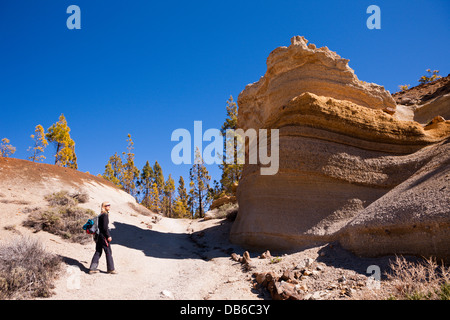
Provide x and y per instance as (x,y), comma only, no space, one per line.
(103,240)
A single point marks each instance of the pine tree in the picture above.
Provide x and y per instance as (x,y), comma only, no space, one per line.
(130,173)
(113,170)
(146,183)
(6,149)
(159,179)
(154,199)
(180,208)
(215,191)
(59,134)
(231,173)
(40,143)
(199,183)
(192,199)
(169,189)
(182,193)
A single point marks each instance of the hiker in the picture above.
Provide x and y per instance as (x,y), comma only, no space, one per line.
(103,242)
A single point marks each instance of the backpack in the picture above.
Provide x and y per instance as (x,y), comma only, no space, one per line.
(91,226)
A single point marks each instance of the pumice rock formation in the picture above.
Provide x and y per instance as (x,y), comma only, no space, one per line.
(303,68)
(342,155)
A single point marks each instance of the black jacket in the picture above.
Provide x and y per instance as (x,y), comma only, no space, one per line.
(103,222)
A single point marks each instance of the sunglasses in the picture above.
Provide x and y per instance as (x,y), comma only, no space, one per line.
(108,205)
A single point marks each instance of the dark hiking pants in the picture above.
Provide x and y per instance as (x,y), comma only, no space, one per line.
(102,245)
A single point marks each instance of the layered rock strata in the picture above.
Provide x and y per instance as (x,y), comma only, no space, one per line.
(303,68)
(412,218)
(339,155)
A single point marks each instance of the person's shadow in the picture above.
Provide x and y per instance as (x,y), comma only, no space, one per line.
(72,262)
(164,245)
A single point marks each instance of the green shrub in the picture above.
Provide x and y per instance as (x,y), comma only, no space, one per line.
(432,75)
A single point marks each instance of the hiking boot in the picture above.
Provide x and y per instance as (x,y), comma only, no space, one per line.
(112,272)
(93,271)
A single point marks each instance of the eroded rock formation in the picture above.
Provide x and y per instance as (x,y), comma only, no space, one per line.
(341,157)
(303,68)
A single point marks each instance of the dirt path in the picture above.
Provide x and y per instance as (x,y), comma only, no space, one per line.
(164,262)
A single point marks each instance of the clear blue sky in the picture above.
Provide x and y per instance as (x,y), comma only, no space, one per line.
(150,67)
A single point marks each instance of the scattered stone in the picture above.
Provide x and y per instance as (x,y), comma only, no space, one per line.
(236,257)
(288,275)
(248,266)
(260,277)
(305,263)
(232,279)
(317,295)
(246,257)
(332,287)
(303,287)
(307,272)
(266,255)
(271,276)
(285,291)
(347,292)
(279,288)
(167,294)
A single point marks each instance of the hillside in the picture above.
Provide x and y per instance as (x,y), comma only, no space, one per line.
(423,102)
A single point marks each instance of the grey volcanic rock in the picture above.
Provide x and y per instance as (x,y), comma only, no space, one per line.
(412,218)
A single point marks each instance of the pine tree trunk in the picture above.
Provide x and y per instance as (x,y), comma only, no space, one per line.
(58,146)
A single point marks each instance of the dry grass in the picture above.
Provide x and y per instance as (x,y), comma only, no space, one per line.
(26,269)
(228,211)
(80,196)
(61,198)
(64,218)
(22,202)
(424,280)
